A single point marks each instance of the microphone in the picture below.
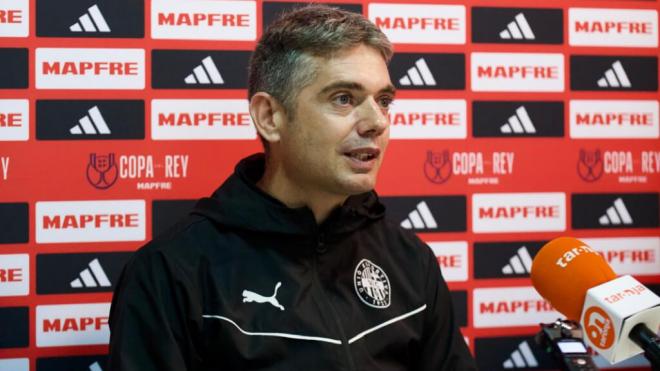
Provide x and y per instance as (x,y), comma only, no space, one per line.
(617,314)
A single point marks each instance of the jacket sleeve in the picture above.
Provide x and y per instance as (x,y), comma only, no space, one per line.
(443,346)
(148,328)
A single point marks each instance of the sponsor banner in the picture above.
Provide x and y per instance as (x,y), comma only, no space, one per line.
(77,363)
(528,72)
(90,221)
(14,119)
(613,27)
(199,69)
(505,259)
(452,258)
(14,222)
(518,212)
(510,306)
(15,364)
(459,301)
(201,119)
(428,71)
(14,322)
(79,273)
(428,214)
(14,19)
(90,119)
(428,119)
(590,72)
(14,275)
(272,10)
(638,256)
(626,167)
(517,119)
(505,353)
(84,18)
(14,68)
(165,213)
(624,119)
(204,20)
(476,168)
(517,25)
(59,68)
(72,324)
(420,23)
(623,210)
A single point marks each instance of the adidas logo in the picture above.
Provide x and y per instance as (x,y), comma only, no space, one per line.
(521,358)
(87,277)
(91,124)
(420,218)
(616,215)
(518,29)
(615,77)
(419,75)
(92,21)
(95,367)
(205,73)
(520,123)
(520,263)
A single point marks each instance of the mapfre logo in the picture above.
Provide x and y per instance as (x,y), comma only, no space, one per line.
(518,212)
(14,18)
(613,27)
(420,23)
(428,119)
(452,258)
(90,221)
(14,275)
(14,119)
(89,68)
(628,167)
(539,72)
(517,25)
(202,119)
(72,324)
(204,20)
(517,119)
(510,306)
(629,255)
(614,119)
(614,73)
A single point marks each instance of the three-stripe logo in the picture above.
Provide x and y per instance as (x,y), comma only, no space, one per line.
(520,263)
(91,124)
(205,73)
(420,218)
(92,21)
(95,367)
(92,276)
(615,77)
(521,357)
(418,75)
(520,123)
(518,29)
(616,214)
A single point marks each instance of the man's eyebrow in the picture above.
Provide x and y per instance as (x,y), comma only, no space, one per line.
(349,85)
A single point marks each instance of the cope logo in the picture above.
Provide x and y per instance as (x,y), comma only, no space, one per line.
(428,214)
(627,166)
(13,68)
(624,210)
(510,306)
(517,119)
(630,255)
(614,119)
(167,212)
(84,18)
(14,275)
(204,20)
(599,327)
(478,168)
(201,119)
(72,324)
(14,322)
(272,10)
(90,119)
(428,119)
(199,69)
(420,24)
(537,72)
(517,25)
(90,221)
(88,68)
(518,212)
(79,273)
(14,119)
(428,71)
(14,222)
(505,259)
(614,73)
(77,363)
(452,258)
(14,20)
(613,27)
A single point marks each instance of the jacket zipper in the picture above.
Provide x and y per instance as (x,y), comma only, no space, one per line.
(333,311)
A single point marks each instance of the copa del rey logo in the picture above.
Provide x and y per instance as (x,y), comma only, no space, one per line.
(534,72)
(428,119)
(59,68)
(204,20)
(510,306)
(72,324)
(614,119)
(420,23)
(518,212)
(14,119)
(90,221)
(14,18)
(613,27)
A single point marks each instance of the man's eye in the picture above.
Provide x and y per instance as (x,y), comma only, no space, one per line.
(386,102)
(343,99)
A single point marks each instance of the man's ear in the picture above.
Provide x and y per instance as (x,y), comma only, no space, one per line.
(268,116)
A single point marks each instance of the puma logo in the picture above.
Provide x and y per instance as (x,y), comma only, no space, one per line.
(249,297)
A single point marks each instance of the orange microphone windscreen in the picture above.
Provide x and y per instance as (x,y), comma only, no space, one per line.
(564,270)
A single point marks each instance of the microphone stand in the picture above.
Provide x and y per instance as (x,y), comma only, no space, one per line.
(649,342)
(562,338)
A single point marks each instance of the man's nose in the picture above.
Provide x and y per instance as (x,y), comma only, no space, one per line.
(373,118)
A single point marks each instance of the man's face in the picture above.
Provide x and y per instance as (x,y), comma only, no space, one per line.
(340,129)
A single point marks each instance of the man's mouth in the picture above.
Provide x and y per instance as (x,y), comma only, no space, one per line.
(363,154)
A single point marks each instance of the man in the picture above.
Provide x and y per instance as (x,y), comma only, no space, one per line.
(290,265)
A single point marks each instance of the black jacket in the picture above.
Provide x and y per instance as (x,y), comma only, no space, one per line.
(245,283)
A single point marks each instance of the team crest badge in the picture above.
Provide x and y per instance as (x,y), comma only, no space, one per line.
(371,284)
